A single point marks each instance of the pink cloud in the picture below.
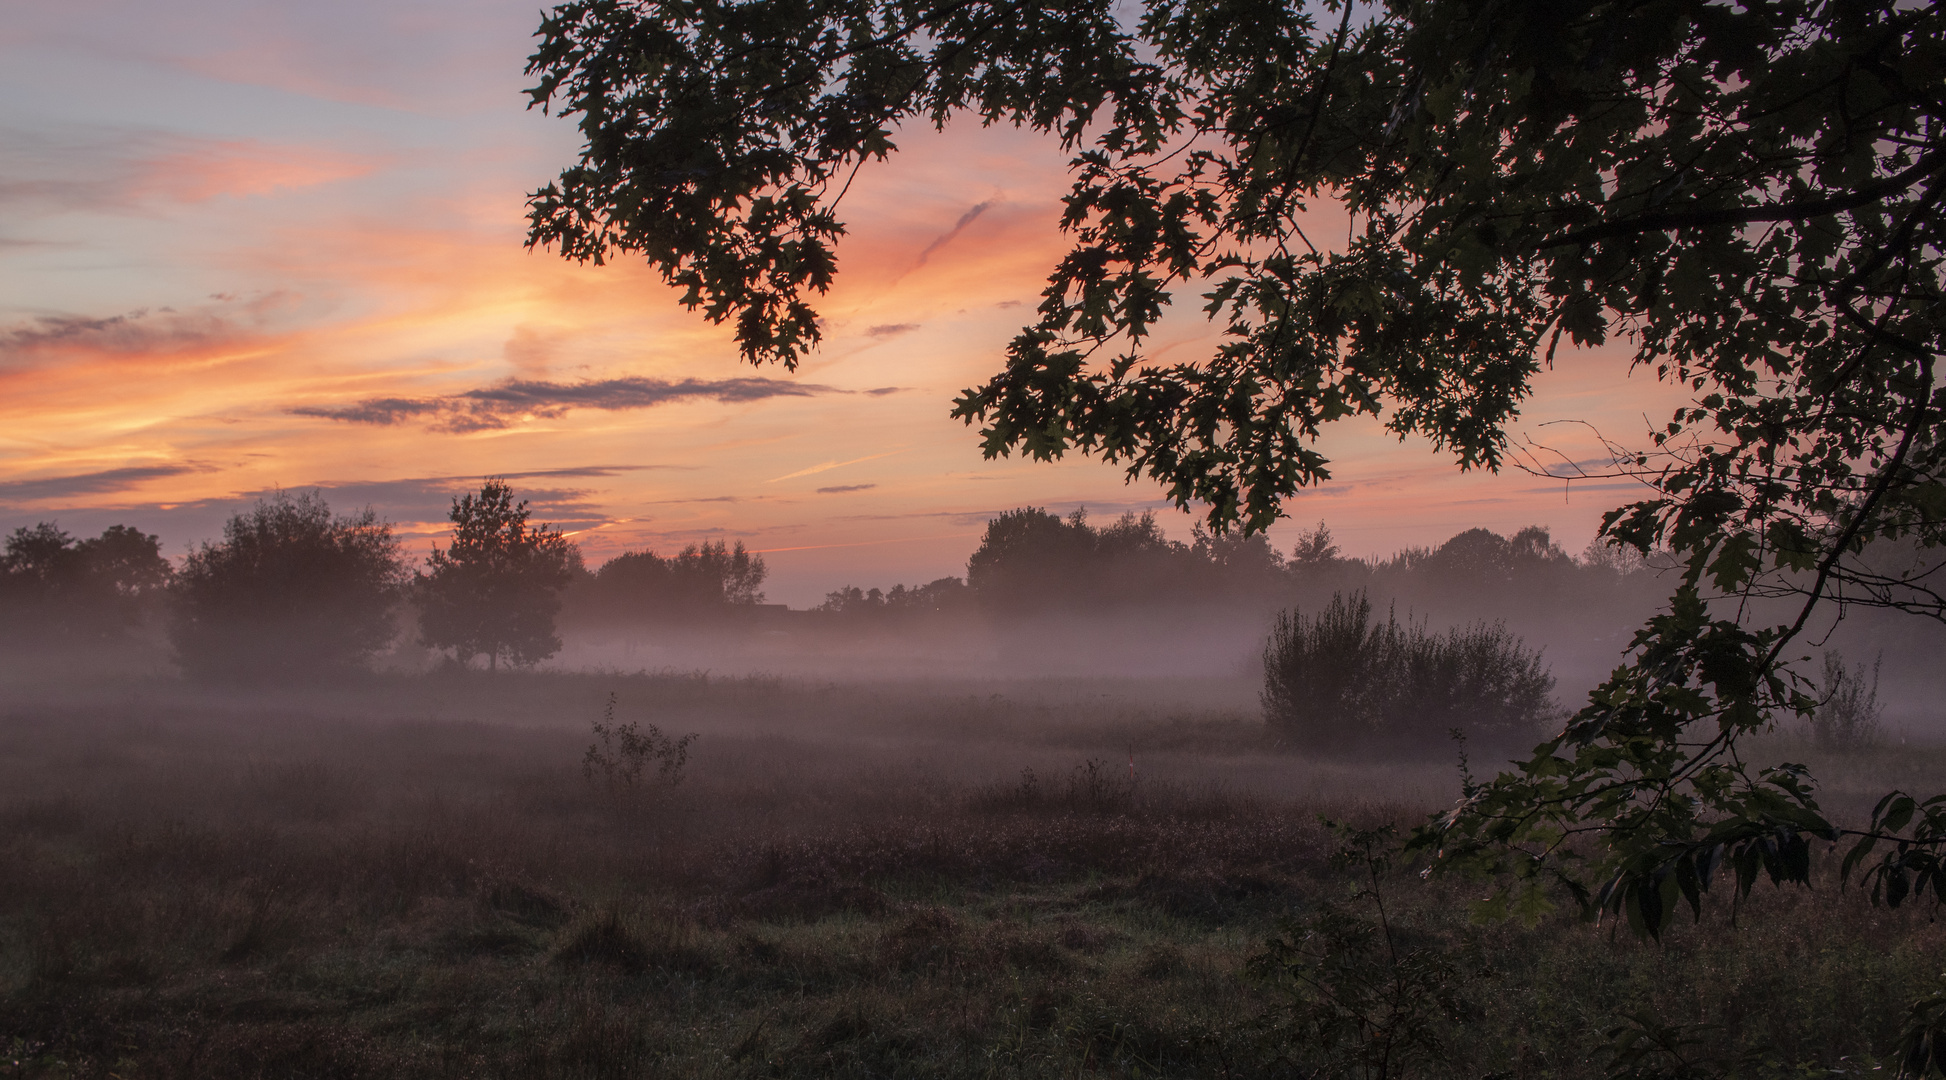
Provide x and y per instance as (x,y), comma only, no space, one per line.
(207,169)
(402,54)
(66,341)
(119,170)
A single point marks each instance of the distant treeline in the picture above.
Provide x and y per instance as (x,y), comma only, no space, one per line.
(1034,563)
(697,582)
(291,587)
(55,587)
(293,590)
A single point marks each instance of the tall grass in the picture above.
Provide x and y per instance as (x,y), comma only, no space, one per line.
(1340,679)
(844,886)
(1849,717)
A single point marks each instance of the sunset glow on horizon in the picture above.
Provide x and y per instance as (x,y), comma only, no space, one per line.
(262,245)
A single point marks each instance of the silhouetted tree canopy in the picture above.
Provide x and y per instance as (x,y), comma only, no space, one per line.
(1748,193)
(495,590)
(1030,558)
(941,596)
(1032,561)
(290,591)
(53,586)
(697,581)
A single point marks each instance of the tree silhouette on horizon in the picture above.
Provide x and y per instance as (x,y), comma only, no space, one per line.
(496,588)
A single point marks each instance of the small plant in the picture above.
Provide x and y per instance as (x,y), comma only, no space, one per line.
(1642,1047)
(1848,718)
(1363,995)
(620,754)
(1922,1044)
(1096,784)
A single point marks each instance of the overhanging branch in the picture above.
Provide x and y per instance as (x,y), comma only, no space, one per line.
(1750,215)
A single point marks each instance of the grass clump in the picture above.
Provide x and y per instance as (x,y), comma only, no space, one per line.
(1340,680)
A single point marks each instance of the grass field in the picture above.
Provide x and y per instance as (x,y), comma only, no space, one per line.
(414,878)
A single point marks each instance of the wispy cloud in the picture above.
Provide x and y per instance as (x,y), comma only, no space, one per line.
(863,543)
(843,488)
(500,406)
(891,329)
(94,483)
(586,471)
(949,235)
(142,332)
(425,501)
(126,169)
(381,411)
(827,466)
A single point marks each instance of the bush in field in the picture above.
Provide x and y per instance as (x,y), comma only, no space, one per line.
(1340,679)
(621,753)
(290,590)
(1848,717)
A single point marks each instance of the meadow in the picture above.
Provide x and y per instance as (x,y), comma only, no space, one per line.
(418,877)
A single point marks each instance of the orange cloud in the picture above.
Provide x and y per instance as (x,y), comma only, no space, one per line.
(424,307)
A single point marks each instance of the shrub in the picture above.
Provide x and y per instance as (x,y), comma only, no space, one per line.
(1339,679)
(1848,717)
(621,753)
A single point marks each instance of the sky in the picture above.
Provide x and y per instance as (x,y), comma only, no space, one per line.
(250,245)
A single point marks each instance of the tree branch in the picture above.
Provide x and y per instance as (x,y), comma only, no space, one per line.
(1749,215)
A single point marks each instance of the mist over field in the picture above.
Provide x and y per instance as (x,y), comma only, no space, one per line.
(414,412)
(307,804)
(1045,600)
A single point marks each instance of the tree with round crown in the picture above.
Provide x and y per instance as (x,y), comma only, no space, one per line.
(496,588)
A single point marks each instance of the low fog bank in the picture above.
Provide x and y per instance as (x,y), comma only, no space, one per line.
(783,738)
(1169,642)
(797,752)
(301,607)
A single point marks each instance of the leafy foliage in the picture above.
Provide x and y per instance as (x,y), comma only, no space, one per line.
(1338,679)
(1915,831)
(1642,1047)
(1515,174)
(290,591)
(1362,997)
(1922,1045)
(1749,194)
(497,587)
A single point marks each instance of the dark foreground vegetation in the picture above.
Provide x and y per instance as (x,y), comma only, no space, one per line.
(430,877)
